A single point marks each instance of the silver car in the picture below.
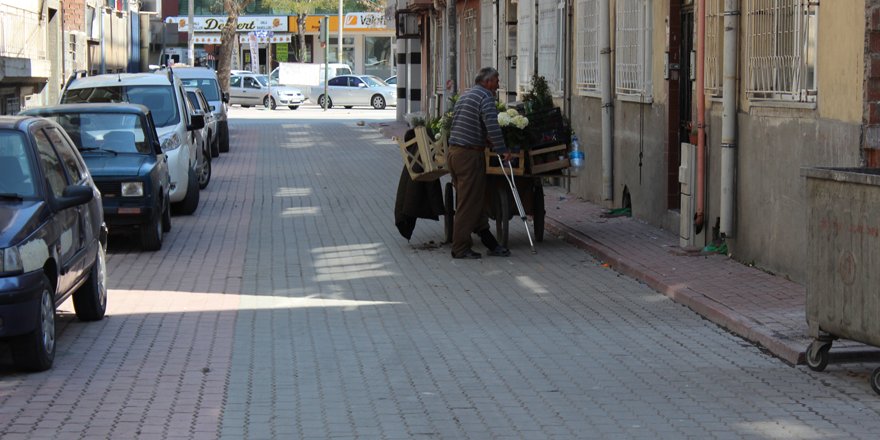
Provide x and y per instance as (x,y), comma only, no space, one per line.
(250,89)
(351,90)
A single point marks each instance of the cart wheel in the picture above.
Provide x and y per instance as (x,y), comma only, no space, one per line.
(538,212)
(502,215)
(817,355)
(449,205)
(875,380)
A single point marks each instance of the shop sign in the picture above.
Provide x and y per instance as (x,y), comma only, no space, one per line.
(216,23)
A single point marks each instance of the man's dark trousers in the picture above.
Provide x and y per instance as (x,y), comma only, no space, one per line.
(468,169)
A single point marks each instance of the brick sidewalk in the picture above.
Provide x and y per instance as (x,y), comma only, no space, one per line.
(765,309)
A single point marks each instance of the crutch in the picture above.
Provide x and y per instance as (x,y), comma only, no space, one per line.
(519,205)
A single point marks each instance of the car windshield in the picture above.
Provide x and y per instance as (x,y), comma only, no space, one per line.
(373,81)
(262,80)
(102,132)
(159,99)
(208,85)
(16,178)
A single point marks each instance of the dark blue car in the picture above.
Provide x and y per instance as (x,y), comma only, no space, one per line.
(122,151)
(52,237)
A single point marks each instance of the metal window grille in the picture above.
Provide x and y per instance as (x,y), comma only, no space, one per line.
(487,34)
(551,28)
(469,35)
(632,47)
(587,51)
(525,43)
(781,50)
(714,72)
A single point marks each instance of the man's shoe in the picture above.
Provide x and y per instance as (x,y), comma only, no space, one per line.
(499,251)
(469,254)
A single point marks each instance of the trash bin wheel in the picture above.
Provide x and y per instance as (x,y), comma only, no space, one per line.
(817,355)
(875,380)
(449,206)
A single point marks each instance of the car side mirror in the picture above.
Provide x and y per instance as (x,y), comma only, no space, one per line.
(196,122)
(362,85)
(225,97)
(211,107)
(75,195)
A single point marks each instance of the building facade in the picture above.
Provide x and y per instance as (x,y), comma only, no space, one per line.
(643,84)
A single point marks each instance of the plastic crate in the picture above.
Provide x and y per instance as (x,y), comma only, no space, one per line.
(547,128)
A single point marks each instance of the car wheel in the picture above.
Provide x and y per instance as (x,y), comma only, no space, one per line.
(293,107)
(378,102)
(349,106)
(205,171)
(35,351)
(90,301)
(151,234)
(215,144)
(166,216)
(269,102)
(321,102)
(189,203)
(224,137)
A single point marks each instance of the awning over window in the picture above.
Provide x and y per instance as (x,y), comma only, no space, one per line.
(277,38)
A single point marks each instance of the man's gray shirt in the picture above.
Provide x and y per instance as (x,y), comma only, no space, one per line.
(475,119)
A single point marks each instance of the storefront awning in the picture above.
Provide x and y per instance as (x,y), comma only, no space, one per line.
(277,38)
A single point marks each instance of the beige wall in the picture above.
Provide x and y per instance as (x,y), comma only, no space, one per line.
(841,62)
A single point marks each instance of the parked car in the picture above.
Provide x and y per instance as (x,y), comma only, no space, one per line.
(391,80)
(206,80)
(122,152)
(352,90)
(204,137)
(251,89)
(164,95)
(52,238)
(239,72)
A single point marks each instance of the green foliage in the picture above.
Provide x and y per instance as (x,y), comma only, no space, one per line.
(539,97)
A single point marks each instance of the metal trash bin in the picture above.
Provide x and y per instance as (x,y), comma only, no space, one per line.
(843,272)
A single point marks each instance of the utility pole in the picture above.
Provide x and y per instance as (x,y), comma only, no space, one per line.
(339,46)
(191,44)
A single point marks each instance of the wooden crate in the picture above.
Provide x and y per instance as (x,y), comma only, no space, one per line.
(425,159)
(493,166)
(547,159)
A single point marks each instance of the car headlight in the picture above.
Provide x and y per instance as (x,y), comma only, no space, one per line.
(132,189)
(171,142)
(10,260)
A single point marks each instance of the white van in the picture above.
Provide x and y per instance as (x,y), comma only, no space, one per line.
(305,76)
(166,98)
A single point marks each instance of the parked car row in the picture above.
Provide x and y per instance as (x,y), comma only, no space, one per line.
(249,89)
(115,156)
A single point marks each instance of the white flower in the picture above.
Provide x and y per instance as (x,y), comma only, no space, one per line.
(437,137)
(520,121)
(504,119)
(512,113)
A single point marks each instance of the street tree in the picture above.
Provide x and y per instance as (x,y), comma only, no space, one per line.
(232,8)
(301,9)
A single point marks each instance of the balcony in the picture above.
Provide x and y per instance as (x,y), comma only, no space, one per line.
(22,47)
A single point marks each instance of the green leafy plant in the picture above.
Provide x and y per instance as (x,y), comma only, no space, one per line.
(538,98)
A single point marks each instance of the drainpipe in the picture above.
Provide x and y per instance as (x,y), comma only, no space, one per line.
(728,118)
(699,217)
(452,46)
(607,103)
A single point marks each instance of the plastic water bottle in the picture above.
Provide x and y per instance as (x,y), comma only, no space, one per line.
(576,156)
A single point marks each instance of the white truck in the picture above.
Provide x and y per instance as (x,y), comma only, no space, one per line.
(305,76)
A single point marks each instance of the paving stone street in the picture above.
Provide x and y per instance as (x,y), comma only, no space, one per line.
(289,307)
